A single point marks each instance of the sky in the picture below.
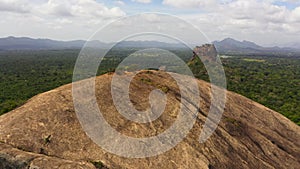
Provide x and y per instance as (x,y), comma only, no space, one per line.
(266,22)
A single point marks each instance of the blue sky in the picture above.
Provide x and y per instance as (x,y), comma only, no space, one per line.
(267,22)
(287,4)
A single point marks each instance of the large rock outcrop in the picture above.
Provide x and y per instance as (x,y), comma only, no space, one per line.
(248,136)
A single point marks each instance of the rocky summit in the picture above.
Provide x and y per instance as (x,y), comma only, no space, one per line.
(46,133)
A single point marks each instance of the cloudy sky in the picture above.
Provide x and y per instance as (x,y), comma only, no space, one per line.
(267,22)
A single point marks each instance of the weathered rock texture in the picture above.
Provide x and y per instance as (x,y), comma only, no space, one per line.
(12,158)
(248,136)
(206,52)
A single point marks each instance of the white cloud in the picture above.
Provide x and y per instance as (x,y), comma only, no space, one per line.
(57,19)
(257,20)
(17,6)
(142,1)
(290,1)
(190,3)
(295,15)
(119,3)
(80,8)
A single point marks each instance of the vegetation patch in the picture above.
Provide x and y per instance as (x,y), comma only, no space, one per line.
(232,121)
(47,139)
(98,164)
(149,72)
(146,81)
(165,89)
(253,60)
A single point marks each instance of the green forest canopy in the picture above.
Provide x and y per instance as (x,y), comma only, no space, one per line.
(271,81)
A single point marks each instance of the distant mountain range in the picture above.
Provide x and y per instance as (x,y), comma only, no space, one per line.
(25,43)
(231,46)
(227,46)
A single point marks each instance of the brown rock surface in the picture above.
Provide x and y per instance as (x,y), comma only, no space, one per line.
(207,52)
(248,136)
(11,158)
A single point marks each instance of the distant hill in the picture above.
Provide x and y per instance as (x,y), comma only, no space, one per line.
(227,46)
(292,45)
(231,46)
(25,43)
